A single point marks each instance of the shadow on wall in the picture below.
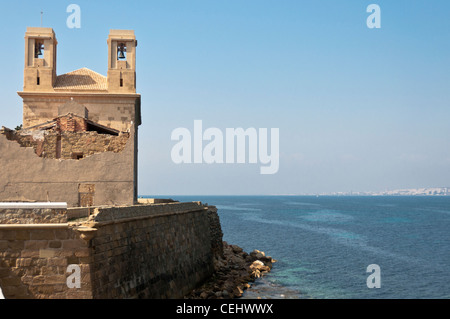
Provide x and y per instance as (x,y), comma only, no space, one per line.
(11,285)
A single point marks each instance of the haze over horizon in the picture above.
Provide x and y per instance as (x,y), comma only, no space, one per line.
(358,109)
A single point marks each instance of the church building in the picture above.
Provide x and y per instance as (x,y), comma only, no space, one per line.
(79,136)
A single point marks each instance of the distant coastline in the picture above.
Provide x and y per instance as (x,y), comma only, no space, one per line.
(425,191)
(431,191)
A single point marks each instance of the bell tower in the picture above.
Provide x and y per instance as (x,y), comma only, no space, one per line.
(122,61)
(40,59)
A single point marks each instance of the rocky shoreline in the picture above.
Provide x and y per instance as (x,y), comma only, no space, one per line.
(233,273)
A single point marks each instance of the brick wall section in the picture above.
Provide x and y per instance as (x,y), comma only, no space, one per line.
(142,251)
(71,124)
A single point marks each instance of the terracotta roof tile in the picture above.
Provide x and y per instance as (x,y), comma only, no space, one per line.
(81,79)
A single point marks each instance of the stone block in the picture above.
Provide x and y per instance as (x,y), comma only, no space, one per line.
(72,260)
(35,244)
(22,234)
(62,262)
(46,253)
(55,279)
(3,244)
(62,234)
(7,234)
(82,252)
(55,244)
(41,234)
(85,260)
(23,262)
(31,272)
(48,271)
(71,244)
(29,253)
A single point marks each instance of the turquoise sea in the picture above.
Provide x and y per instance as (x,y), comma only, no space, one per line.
(323,245)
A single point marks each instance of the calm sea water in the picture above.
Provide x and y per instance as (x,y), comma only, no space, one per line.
(323,245)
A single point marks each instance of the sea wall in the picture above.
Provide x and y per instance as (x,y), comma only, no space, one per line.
(141,251)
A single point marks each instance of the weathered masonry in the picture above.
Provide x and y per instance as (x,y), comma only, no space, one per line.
(143,251)
(78,141)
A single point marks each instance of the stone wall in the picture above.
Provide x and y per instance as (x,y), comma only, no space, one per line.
(215,231)
(117,111)
(112,175)
(161,255)
(34,261)
(85,143)
(32,216)
(142,251)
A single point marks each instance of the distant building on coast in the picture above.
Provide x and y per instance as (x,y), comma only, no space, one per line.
(431,191)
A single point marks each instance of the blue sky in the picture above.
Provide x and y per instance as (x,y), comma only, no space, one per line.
(358,109)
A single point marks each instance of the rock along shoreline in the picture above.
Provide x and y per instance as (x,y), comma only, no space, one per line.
(233,273)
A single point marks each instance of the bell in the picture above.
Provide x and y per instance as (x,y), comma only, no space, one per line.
(38,50)
(121,48)
(121,55)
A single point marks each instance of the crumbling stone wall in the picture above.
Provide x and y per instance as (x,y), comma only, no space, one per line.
(24,140)
(27,177)
(84,143)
